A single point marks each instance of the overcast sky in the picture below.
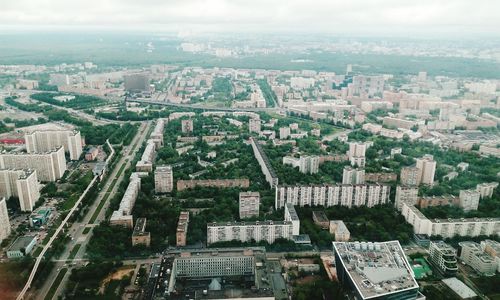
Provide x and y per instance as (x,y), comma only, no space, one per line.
(328,16)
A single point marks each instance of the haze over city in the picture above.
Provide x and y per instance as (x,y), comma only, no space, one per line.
(260,150)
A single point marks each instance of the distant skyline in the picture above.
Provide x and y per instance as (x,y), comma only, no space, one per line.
(367,17)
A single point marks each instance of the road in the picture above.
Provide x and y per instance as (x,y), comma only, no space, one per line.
(191,106)
(77,229)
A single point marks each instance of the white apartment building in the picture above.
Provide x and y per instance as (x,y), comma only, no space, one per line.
(49,166)
(164,179)
(357,153)
(492,248)
(291,216)
(187,126)
(157,133)
(472,254)
(48,140)
(426,169)
(267,231)
(329,195)
(123,215)
(447,228)
(469,199)
(254,125)
(306,164)
(486,189)
(4,220)
(353,175)
(284,132)
(22,184)
(147,158)
(249,203)
(213,266)
(366,86)
(408,194)
(444,257)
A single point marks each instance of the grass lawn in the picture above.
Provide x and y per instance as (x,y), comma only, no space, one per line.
(74,251)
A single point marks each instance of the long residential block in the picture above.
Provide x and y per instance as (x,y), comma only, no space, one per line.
(329,195)
(267,231)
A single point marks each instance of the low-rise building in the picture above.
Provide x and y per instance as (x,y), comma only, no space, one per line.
(40,217)
(140,236)
(338,228)
(22,246)
(182,227)
(472,254)
(320,219)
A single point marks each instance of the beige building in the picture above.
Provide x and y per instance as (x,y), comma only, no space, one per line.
(408,194)
(357,153)
(492,248)
(4,220)
(472,254)
(353,175)
(249,204)
(140,236)
(254,125)
(49,166)
(182,227)
(486,189)
(469,199)
(409,176)
(291,216)
(22,184)
(426,169)
(338,228)
(217,183)
(284,132)
(187,126)
(123,215)
(47,140)
(164,179)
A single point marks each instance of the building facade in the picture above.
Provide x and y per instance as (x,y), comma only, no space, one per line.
(426,169)
(329,195)
(408,194)
(5,228)
(352,175)
(48,140)
(469,199)
(472,254)
(164,179)
(444,257)
(182,228)
(249,203)
(49,166)
(257,231)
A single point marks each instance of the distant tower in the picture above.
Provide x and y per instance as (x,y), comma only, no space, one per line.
(349,69)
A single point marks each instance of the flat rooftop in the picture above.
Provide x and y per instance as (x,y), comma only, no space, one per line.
(21,242)
(256,223)
(376,268)
(459,288)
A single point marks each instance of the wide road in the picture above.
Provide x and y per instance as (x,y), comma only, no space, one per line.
(204,107)
(77,228)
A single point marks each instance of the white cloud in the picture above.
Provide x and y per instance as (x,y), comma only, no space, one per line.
(257,15)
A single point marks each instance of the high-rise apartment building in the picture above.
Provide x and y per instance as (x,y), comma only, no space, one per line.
(338,228)
(49,166)
(187,126)
(426,169)
(249,204)
(357,153)
(254,125)
(48,140)
(4,220)
(164,179)
(469,199)
(409,176)
(284,132)
(22,184)
(486,189)
(408,194)
(291,216)
(308,164)
(353,175)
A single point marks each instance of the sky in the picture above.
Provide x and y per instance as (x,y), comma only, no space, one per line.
(370,17)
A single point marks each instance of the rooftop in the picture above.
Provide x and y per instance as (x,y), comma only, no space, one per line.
(22,242)
(256,223)
(459,287)
(376,269)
